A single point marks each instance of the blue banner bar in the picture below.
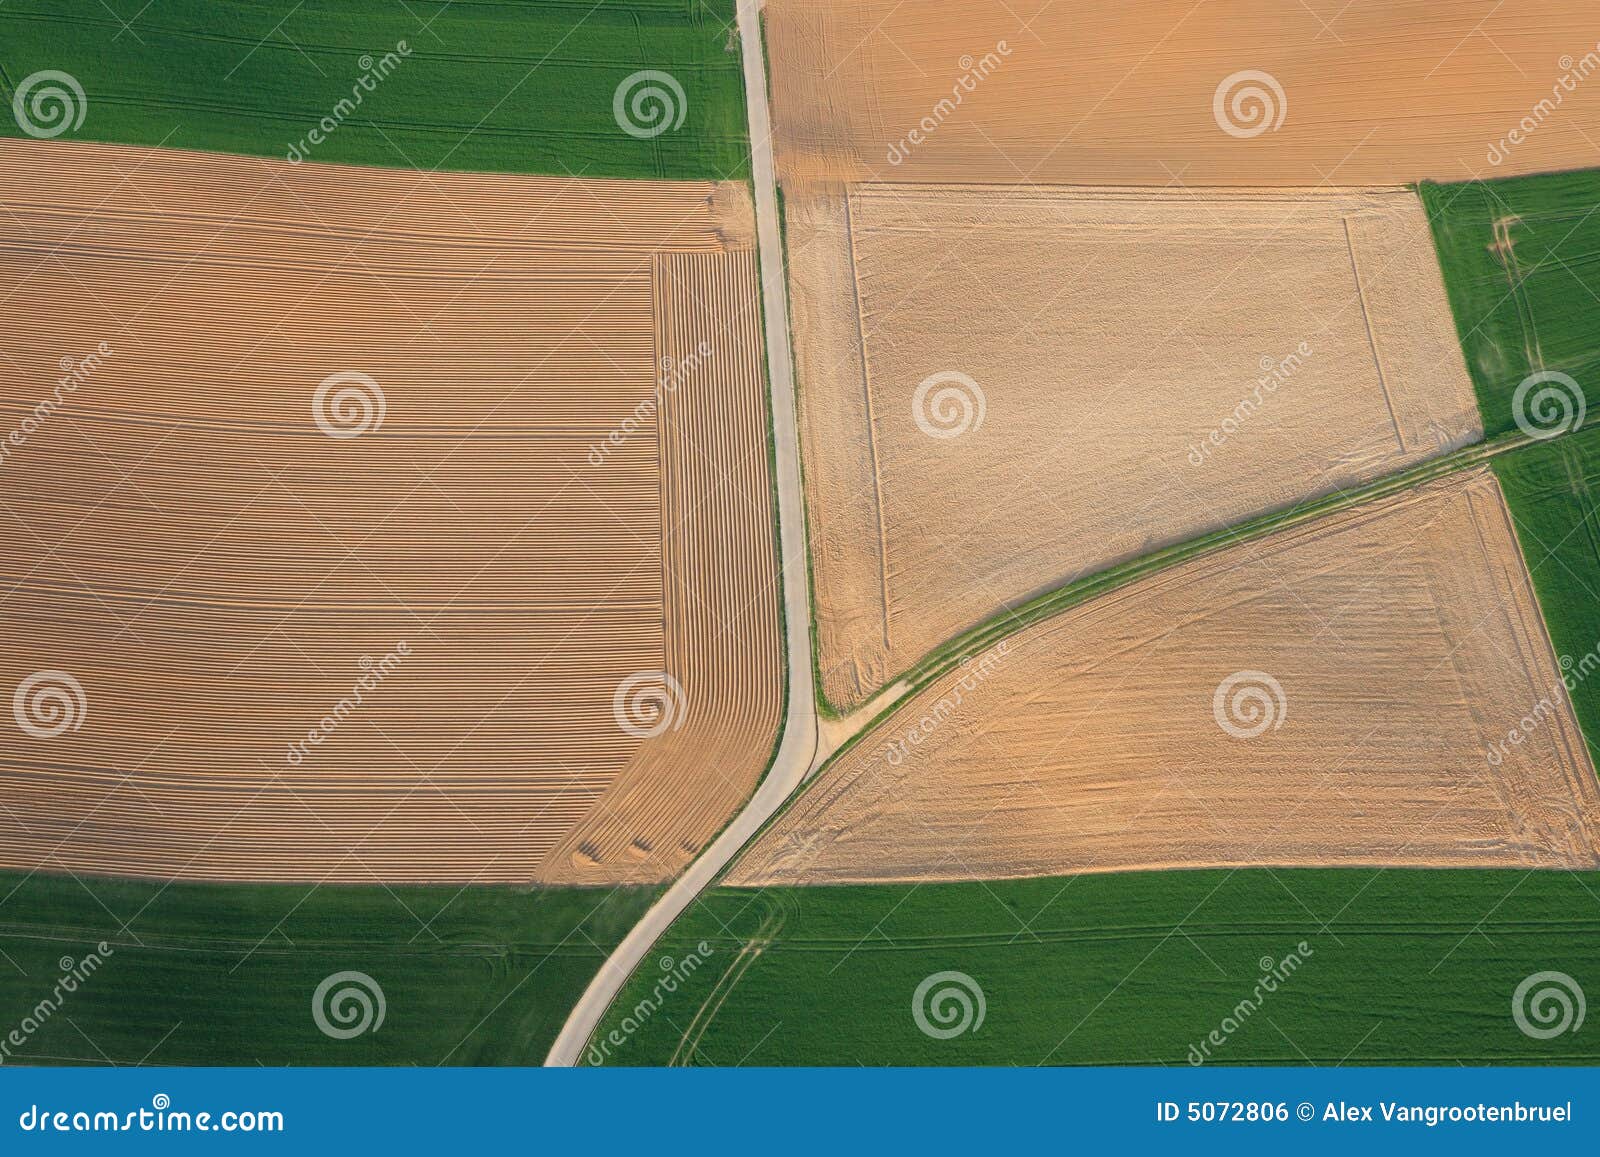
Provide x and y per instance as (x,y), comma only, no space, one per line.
(811,1111)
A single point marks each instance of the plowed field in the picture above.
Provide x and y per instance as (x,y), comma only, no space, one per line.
(1002,390)
(1340,693)
(1337,92)
(389,627)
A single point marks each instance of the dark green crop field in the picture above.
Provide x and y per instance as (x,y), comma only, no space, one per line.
(227,975)
(499,85)
(1284,966)
(1521,260)
(1553,490)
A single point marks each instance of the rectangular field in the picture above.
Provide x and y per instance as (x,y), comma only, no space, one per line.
(519,85)
(1170,92)
(996,400)
(1521,262)
(1405,967)
(1341,692)
(378,573)
(201,974)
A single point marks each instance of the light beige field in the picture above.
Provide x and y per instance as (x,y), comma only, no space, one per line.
(1141,367)
(220,575)
(1369,91)
(1404,642)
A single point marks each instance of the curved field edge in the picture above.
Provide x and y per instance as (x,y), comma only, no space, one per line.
(522,86)
(1366,966)
(203,974)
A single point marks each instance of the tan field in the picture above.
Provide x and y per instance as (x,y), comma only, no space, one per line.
(1367,664)
(1339,92)
(1005,389)
(391,650)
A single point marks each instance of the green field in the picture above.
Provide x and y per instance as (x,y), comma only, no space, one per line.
(1403,966)
(500,85)
(1553,490)
(224,975)
(1521,260)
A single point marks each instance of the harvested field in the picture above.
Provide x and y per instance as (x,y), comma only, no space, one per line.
(1382,654)
(1300,342)
(1354,91)
(392,650)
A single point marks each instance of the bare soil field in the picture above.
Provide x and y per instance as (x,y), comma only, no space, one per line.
(1005,389)
(1338,693)
(389,627)
(1322,91)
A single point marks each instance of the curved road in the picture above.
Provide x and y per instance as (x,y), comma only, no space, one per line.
(798,747)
